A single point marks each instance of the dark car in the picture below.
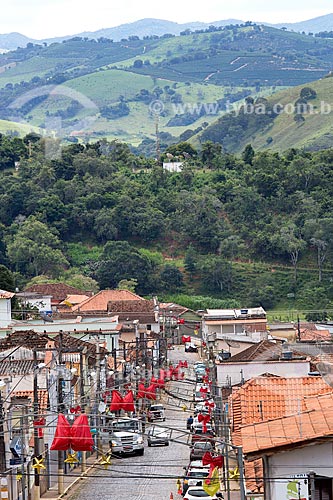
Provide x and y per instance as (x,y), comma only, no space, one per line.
(199,449)
(189,347)
(199,435)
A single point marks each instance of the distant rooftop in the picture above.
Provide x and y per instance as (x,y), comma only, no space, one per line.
(6,295)
(257,312)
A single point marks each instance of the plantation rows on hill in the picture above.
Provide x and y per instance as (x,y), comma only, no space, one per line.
(123,79)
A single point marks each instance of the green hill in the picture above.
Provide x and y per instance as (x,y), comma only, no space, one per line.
(283,121)
(110,89)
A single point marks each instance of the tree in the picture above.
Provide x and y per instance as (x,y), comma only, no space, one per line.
(35,249)
(171,278)
(290,241)
(119,261)
(248,154)
(319,234)
(7,281)
(190,260)
(129,284)
(210,152)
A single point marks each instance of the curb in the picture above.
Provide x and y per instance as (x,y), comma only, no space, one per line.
(83,475)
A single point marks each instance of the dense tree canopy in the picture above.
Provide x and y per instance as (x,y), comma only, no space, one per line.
(101,213)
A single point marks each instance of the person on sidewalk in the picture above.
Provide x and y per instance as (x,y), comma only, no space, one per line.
(189,422)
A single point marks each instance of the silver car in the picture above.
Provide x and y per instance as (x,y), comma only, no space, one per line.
(158,435)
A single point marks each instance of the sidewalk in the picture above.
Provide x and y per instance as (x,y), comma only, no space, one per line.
(69,479)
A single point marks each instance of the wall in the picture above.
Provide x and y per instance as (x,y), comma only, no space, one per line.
(317,458)
(232,371)
(5,313)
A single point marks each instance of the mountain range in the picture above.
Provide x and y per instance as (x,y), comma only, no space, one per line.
(159,27)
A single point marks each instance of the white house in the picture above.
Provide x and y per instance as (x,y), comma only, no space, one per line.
(34,299)
(5,308)
(173,166)
(263,357)
(229,322)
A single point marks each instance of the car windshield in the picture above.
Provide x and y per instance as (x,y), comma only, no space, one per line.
(198,493)
(158,431)
(156,408)
(198,473)
(125,426)
(203,446)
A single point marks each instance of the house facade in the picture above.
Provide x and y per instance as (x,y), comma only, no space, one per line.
(5,308)
(263,357)
(229,322)
(296,451)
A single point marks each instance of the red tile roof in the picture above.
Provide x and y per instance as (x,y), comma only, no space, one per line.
(58,291)
(99,302)
(42,397)
(6,295)
(264,398)
(74,299)
(314,423)
(313,334)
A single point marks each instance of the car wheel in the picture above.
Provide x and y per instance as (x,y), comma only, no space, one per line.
(164,419)
(167,444)
(149,444)
(141,452)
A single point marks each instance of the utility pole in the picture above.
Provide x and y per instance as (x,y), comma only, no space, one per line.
(82,401)
(36,440)
(60,410)
(114,354)
(241,472)
(97,397)
(2,437)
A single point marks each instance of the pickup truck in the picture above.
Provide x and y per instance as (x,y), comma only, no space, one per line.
(156,412)
(126,436)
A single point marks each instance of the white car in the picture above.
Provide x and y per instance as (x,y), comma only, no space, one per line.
(197,464)
(194,477)
(196,492)
(158,435)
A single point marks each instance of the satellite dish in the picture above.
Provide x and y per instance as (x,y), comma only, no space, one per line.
(46,317)
(232,343)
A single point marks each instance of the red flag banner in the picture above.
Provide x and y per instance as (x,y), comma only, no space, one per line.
(62,436)
(151,392)
(141,391)
(128,402)
(81,439)
(161,382)
(116,401)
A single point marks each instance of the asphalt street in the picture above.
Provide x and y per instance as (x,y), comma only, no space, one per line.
(154,475)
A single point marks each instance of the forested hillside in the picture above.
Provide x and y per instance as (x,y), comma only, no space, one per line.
(257,228)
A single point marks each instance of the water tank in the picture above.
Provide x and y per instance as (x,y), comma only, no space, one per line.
(287,355)
(226,355)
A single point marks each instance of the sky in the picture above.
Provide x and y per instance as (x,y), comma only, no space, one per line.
(49,18)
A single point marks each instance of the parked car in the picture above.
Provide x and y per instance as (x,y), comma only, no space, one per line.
(158,435)
(156,412)
(195,492)
(199,448)
(198,435)
(194,477)
(196,464)
(190,347)
(200,407)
